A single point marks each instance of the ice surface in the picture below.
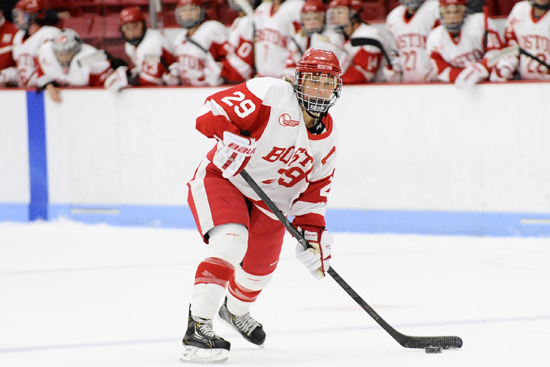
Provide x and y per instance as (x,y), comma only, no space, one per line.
(82,295)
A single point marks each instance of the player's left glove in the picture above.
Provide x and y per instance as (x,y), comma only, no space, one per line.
(117,80)
(233,153)
(504,69)
(473,73)
(316,259)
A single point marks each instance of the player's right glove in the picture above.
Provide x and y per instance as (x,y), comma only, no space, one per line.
(316,259)
(233,153)
(472,74)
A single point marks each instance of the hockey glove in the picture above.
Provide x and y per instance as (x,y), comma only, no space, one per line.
(504,69)
(473,73)
(233,153)
(316,259)
(117,80)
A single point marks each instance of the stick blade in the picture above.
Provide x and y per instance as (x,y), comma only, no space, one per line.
(422,342)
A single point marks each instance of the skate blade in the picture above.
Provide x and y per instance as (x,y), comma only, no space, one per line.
(205,356)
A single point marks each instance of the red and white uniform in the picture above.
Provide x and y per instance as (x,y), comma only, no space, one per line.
(239,63)
(85,69)
(272,36)
(7,32)
(450,56)
(293,166)
(409,37)
(151,57)
(328,40)
(363,62)
(25,53)
(194,62)
(531,35)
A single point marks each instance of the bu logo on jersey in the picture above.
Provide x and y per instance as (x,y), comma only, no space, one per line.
(286,120)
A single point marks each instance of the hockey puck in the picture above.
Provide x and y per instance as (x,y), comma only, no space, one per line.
(433,350)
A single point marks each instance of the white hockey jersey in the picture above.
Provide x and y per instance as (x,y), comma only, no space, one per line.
(239,64)
(363,63)
(89,67)
(531,35)
(293,166)
(25,53)
(409,38)
(198,54)
(151,57)
(450,56)
(272,36)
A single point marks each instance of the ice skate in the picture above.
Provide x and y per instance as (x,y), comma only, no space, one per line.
(202,345)
(249,328)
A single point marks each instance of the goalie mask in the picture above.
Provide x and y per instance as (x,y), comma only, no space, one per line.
(313,17)
(318,81)
(189,13)
(132,25)
(65,46)
(452,14)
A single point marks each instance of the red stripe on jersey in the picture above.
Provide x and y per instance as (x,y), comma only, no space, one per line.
(324,160)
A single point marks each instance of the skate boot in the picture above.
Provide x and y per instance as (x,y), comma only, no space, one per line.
(201,344)
(249,328)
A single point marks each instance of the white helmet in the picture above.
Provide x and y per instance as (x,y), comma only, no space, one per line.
(65,45)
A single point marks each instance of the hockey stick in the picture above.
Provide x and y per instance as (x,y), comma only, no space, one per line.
(406,341)
(371,42)
(514,50)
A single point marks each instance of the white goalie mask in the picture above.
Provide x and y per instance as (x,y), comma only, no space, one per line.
(65,46)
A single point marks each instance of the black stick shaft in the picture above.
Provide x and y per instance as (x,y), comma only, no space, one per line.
(405,340)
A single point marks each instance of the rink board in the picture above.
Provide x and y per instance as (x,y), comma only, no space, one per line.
(427,159)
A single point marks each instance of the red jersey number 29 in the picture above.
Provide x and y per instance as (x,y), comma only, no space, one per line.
(244,107)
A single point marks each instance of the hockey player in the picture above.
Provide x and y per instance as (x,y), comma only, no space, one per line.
(459,48)
(7,63)
(363,62)
(313,33)
(276,21)
(239,64)
(66,61)
(409,25)
(282,133)
(200,48)
(29,17)
(148,49)
(527,25)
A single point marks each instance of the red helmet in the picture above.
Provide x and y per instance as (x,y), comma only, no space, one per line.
(354,5)
(452,2)
(130,15)
(30,6)
(319,61)
(316,6)
(189,2)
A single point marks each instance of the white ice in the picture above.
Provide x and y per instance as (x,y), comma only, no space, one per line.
(95,295)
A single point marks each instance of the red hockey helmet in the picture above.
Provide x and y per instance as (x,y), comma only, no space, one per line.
(189,2)
(452,2)
(355,5)
(323,67)
(26,12)
(130,15)
(316,6)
